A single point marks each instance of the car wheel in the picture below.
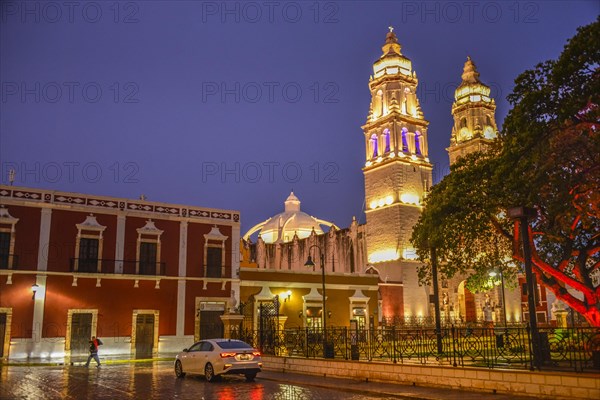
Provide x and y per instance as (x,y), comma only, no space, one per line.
(209,373)
(179,369)
(250,377)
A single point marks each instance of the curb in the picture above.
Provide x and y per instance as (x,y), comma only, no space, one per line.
(378,393)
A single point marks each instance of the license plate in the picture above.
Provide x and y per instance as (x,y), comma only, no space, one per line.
(245,357)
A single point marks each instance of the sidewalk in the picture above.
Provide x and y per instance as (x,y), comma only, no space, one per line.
(384,389)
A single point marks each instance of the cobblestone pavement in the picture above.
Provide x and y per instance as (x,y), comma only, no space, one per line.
(146,381)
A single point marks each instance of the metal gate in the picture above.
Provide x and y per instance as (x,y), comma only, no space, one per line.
(266,337)
(2,333)
(268,324)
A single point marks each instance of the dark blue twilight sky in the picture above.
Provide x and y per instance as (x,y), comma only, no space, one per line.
(233,104)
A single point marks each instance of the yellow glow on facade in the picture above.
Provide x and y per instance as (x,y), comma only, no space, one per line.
(410,198)
(392,65)
(381,202)
(384,255)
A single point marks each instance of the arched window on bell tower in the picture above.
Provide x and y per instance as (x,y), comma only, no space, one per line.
(463,123)
(386,137)
(373,146)
(418,139)
(404,140)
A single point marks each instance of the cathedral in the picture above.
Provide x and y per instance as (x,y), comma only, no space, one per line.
(397,176)
(179,273)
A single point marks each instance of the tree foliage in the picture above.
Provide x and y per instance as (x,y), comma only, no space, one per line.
(547,157)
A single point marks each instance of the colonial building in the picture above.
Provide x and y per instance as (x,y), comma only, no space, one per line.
(276,268)
(144,276)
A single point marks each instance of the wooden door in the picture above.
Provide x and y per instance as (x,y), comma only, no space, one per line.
(2,333)
(470,309)
(148,258)
(81,333)
(4,250)
(144,335)
(88,255)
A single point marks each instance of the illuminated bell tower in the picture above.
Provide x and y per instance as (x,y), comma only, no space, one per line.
(474,115)
(397,169)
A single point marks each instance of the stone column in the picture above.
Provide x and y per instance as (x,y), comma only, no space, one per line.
(181,283)
(561,318)
(120,245)
(231,325)
(281,350)
(40,280)
(44,239)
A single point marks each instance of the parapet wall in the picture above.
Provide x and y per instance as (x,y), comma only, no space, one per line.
(536,384)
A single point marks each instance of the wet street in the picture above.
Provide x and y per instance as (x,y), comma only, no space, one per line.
(147,381)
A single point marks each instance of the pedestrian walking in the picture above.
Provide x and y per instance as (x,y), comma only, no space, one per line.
(94,343)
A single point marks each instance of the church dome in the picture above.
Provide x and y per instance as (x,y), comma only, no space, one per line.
(283,226)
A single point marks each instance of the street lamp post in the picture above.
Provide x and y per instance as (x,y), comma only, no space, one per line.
(310,263)
(522,214)
(436,300)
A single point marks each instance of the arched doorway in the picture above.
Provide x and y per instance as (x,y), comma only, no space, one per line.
(466,301)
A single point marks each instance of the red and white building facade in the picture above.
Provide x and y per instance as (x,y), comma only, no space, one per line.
(145,277)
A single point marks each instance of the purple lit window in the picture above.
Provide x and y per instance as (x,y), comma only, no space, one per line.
(404,140)
(374,145)
(386,134)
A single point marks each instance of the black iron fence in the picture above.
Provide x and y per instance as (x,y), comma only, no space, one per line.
(415,322)
(575,349)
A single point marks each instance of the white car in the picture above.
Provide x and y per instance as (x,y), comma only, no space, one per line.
(215,357)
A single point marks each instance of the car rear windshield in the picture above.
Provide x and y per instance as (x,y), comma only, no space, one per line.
(234,344)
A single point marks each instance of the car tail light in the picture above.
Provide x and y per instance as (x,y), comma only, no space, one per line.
(256,353)
(225,355)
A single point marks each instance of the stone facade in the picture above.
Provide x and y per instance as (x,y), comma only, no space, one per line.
(343,251)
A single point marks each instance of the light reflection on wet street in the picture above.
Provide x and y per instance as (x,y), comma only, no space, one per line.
(146,381)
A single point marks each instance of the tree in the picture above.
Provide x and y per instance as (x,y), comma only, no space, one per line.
(546,157)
